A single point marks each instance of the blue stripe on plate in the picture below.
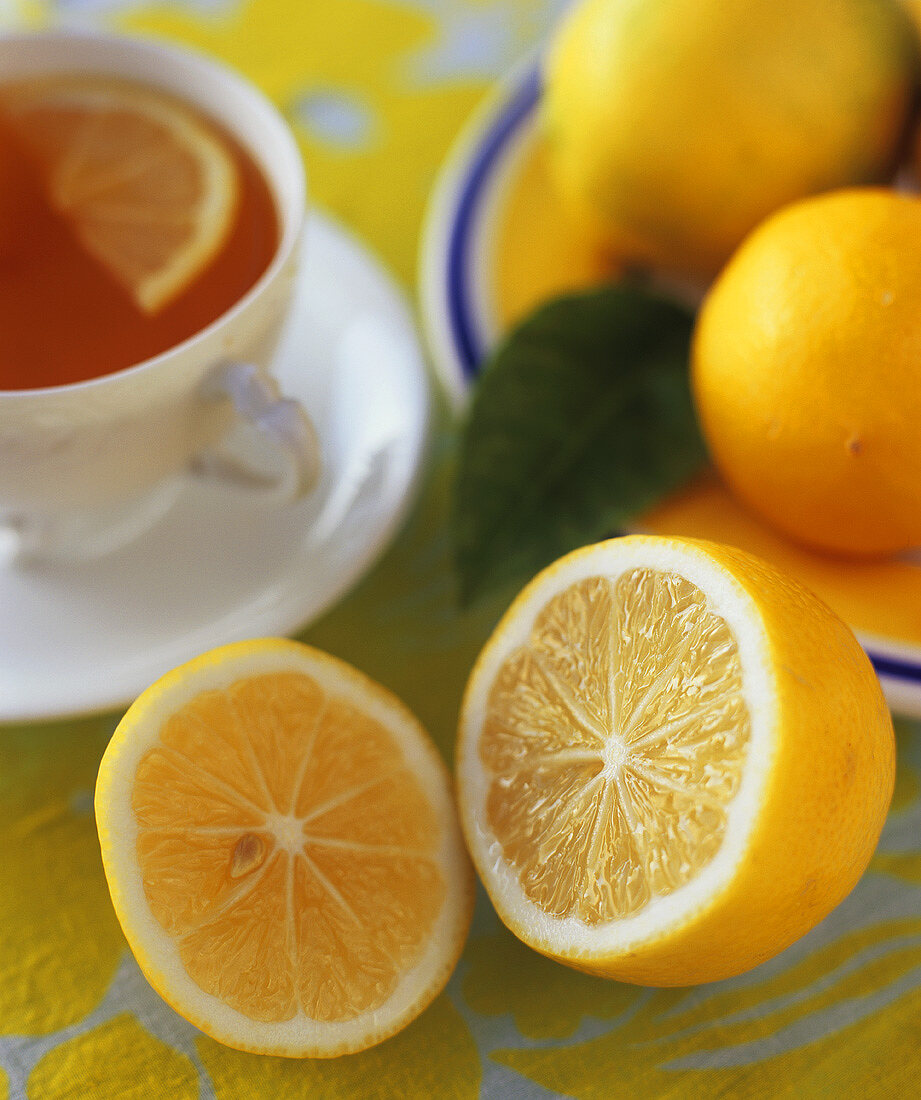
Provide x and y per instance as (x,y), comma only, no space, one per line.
(523,100)
(895,669)
(467,341)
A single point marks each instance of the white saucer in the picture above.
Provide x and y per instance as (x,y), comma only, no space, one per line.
(217,568)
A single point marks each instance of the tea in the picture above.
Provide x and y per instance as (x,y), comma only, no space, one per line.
(128,223)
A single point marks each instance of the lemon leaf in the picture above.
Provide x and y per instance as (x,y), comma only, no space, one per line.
(581,420)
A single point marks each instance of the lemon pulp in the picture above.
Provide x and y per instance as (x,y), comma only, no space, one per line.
(614,742)
(287,849)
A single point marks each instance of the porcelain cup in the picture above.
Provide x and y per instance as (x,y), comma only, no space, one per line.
(87,467)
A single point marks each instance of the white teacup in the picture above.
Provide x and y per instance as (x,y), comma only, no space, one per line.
(88,466)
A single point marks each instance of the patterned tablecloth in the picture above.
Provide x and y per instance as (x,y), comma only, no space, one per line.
(376,90)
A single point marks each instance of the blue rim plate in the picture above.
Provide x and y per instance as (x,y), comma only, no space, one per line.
(458,314)
(456,291)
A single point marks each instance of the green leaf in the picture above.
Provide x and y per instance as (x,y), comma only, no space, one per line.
(581,421)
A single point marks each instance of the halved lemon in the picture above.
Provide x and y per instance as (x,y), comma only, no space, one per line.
(149,186)
(282,850)
(673,761)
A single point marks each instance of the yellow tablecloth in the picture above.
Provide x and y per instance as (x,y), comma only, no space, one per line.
(376,89)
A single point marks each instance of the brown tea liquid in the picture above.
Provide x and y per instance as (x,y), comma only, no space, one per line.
(64,318)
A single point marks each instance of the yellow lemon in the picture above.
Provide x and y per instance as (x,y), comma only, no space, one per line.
(673,761)
(805,371)
(282,850)
(678,125)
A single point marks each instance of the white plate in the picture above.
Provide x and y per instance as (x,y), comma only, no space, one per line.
(458,295)
(217,567)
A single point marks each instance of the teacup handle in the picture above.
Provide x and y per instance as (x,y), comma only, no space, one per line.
(281,421)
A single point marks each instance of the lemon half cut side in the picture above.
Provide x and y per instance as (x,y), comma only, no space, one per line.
(282,850)
(672,763)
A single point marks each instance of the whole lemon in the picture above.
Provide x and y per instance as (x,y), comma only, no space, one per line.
(676,126)
(807,371)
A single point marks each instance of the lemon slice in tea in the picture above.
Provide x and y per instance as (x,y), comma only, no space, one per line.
(147,184)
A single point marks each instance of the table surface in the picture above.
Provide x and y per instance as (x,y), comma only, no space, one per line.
(376,90)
